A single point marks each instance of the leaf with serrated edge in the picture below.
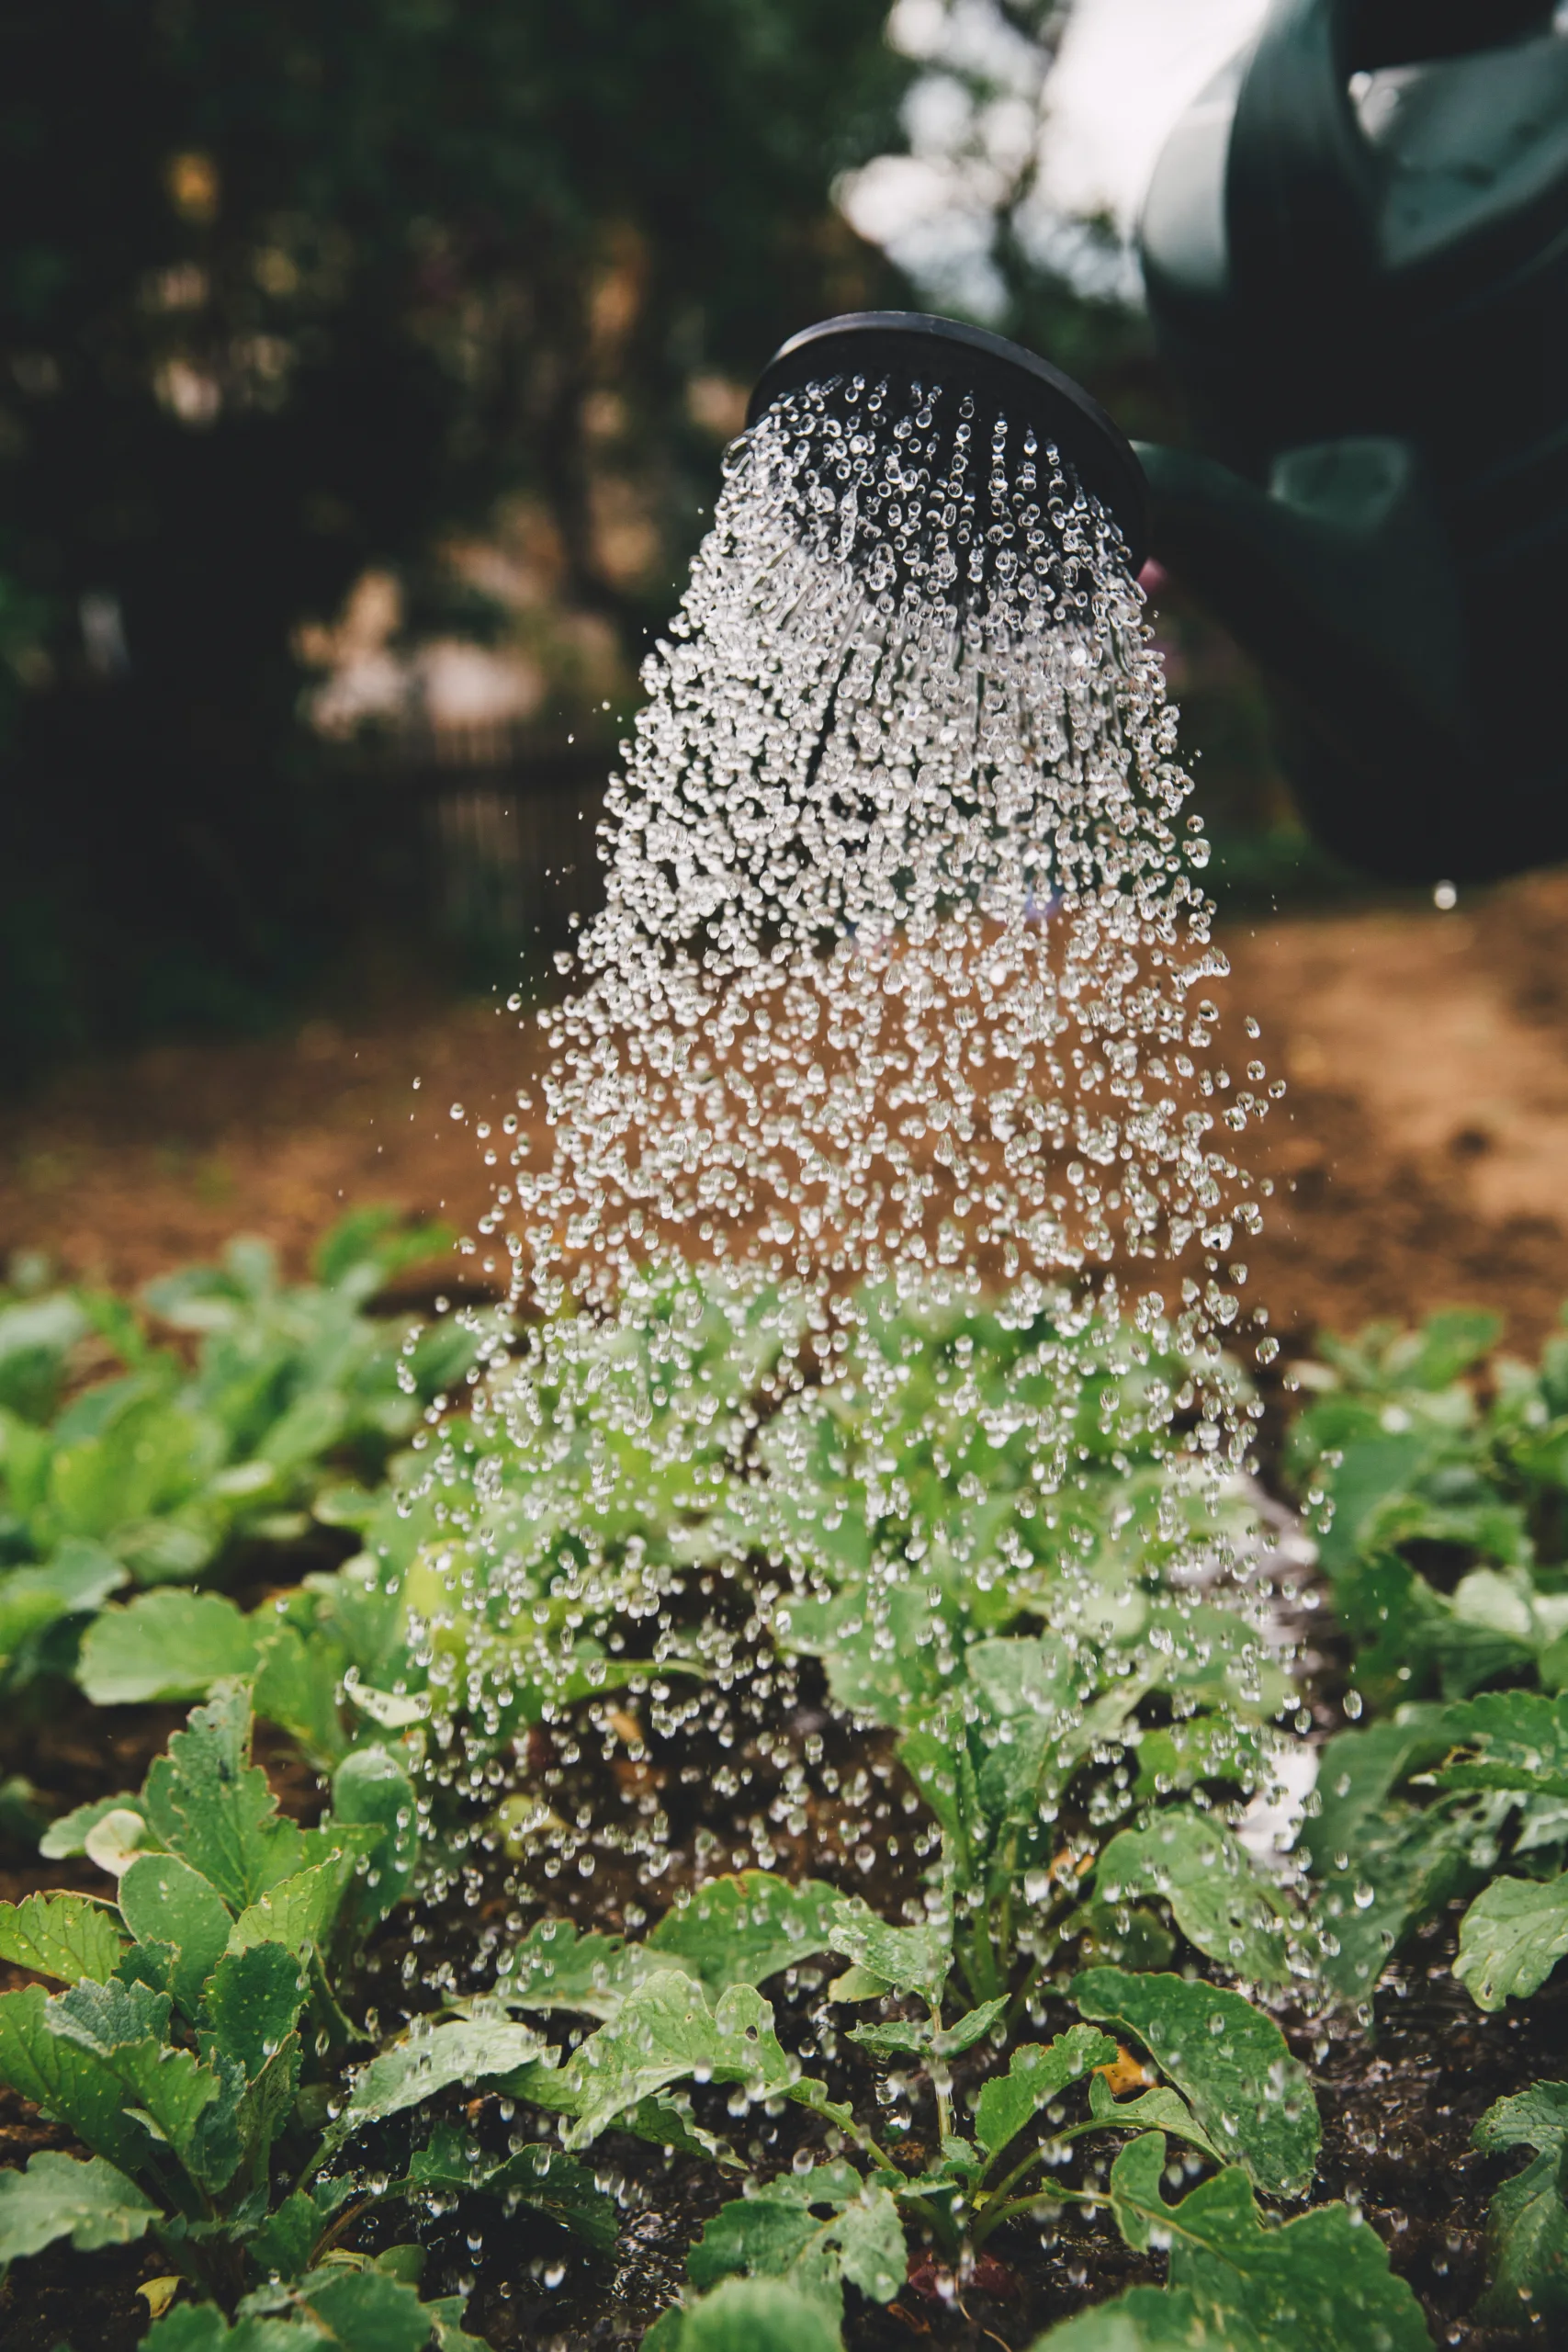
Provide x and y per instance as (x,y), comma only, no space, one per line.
(948,2041)
(126,2028)
(665,2032)
(66,2080)
(297,1912)
(428,2063)
(1320,2283)
(741,1930)
(1219,1901)
(1526,2222)
(1229,2061)
(253,2002)
(1512,1938)
(775,2234)
(1037,2073)
(1157,2110)
(63,1936)
(554,1967)
(211,1804)
(91,2204)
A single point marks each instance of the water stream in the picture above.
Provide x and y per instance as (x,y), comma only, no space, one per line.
(890,1136)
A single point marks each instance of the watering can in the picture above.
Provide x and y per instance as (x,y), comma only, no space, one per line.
(1356,251)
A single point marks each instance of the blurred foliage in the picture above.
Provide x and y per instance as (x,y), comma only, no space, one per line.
(285,293)
(127,1459)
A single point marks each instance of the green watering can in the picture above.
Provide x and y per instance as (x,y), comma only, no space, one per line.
(1356,251)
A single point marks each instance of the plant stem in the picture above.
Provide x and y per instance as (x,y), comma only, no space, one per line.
(996,2216)
(941,2081)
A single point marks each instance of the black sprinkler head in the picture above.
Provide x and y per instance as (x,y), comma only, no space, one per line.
(908,347)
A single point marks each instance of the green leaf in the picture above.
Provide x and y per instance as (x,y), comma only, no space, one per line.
(201,2327)
(555,1967)
(1320,2283)
(125,2028)
(1229,2061)
(58,2197)
(1038,2073)
(761,2234)
(663,2032)
(1031,1688)
(297,1912)
(211,1804)
(253,2002)
(67,2080)
(78,1579)
(1157,2110)
(165,1645)
(298,1685)
(541,2178)
(780,2232)
(164,1901)
(265,2105)
(756,2316)
(743,1929)
(1219,1899)
(917,2034)
(1526,2222)
(1512,1938)
(431,2062)
(365,2311)
(911,1959)
(1520,1739)
(67,1836)
(1154,2319)
(66,1936)
(282,2247)
(372,1790)
(1410,1863)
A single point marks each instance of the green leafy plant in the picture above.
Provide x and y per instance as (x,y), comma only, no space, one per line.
(153,1476)
(193,2003)
(1443,1479)
(1465,1800)
(684,2007)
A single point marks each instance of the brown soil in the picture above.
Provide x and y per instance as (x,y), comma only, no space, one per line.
(1420,1156)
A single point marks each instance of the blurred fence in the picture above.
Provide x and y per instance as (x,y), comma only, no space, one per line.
(487,835)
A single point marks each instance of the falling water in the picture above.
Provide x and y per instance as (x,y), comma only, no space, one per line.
(901,995)
(903,968)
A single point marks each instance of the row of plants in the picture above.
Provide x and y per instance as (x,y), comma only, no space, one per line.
(1074,1993)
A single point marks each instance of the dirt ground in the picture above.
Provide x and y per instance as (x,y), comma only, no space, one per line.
(1420,1154)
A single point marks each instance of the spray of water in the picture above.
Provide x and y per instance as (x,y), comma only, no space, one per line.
(898,1017)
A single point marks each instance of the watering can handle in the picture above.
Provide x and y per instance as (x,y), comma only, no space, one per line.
(1302,182)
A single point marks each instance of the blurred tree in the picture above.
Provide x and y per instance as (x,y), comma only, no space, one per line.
(288,290)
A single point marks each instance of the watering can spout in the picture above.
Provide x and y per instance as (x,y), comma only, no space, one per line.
(1337,581)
